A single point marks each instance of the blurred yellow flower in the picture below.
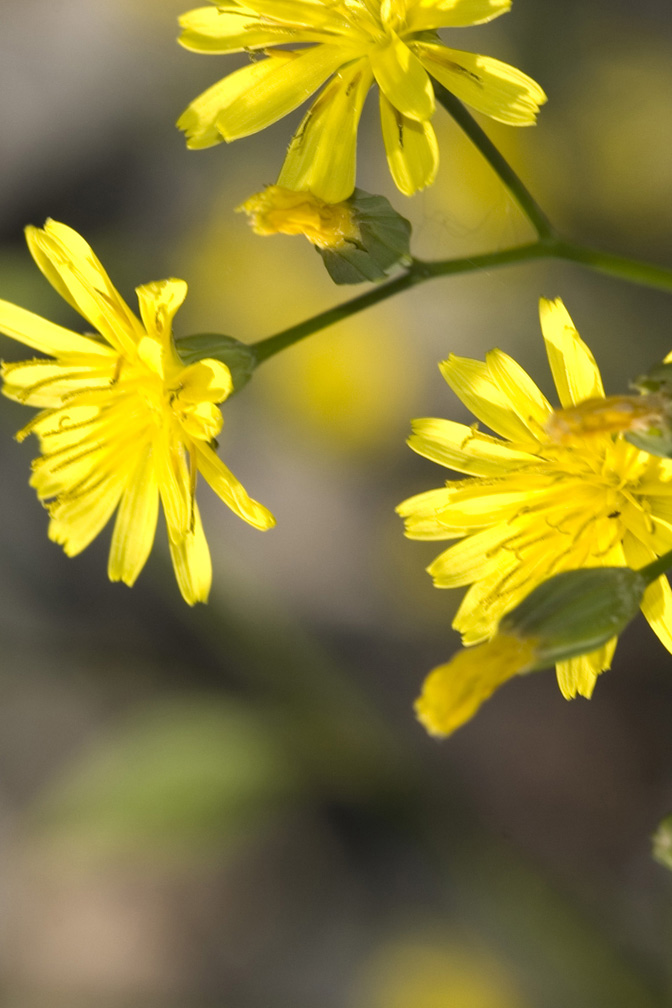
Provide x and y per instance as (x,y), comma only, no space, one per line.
(350,44)
(535,505)
(124,423)
(284,211)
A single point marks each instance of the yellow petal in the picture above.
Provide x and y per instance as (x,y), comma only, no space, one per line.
(231,491)
(258,98)
(465,449)
(424,14)
(420,515)
(521,392)
(192,563)
(210,30)
(158,303)
(474,557)
(71,267)
(45,336)
(472,382)
(452,693)
(577,676)
(45,383)
(411,148)
(199,119)
(488,85)
(402,79)
(322,154)
(76,524)
(575,372)
(135,526)
(657,601)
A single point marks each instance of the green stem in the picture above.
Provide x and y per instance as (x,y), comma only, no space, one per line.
(657,567)
(417,273)
(644,274)
(497,162)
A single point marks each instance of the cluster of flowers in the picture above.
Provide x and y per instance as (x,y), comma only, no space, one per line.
(125,424)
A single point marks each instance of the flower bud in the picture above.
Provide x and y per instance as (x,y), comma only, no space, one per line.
(576,612)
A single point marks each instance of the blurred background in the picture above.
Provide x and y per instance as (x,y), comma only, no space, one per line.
(233,805)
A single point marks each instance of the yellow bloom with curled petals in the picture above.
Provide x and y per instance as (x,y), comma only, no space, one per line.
(284,211)
(348,45)
(541,497)
(123,423)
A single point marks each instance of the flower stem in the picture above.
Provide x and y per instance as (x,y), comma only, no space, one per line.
(644,274)
(497,162)
(657,567)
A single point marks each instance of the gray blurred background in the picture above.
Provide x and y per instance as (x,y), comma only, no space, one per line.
(233,805)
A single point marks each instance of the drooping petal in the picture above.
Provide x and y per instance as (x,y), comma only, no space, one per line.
(488,85)
(426,14)
(472,382)
(192,563)
(515,384)
(575,372)
(258,98)
(231,491)
(452,693)
(72,268)
(402,79)
(411,147)
(199,119)
(322,155)
(465,449)
(135,527)
(577,676)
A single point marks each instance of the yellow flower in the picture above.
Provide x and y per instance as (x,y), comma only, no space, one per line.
(283,211)
(123,423)
(452,693)
(350,44)
(535,505)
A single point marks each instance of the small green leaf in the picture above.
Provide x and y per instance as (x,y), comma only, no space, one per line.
(240,358)
(384,242)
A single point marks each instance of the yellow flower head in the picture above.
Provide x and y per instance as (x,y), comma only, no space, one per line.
(124,423)
(349,44)
(532,505)
(284,211)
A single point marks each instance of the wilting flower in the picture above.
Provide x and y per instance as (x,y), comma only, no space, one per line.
(534,504)
(284,211)
(124,423)
(349,44)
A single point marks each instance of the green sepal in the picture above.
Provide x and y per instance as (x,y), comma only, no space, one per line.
(656,441)
(384,242)
(662,843)
(240,358)
(576,612)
